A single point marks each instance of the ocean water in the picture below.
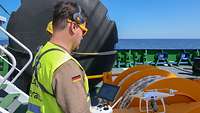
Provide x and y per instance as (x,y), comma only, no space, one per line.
(158,44)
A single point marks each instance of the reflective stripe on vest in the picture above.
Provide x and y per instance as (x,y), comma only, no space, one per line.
(33,108)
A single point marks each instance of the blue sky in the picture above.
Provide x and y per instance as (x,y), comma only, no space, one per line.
(10,5)
(155,18)
(147,18)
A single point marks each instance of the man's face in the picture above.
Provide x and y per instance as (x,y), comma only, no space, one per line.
(78,34)
(79,37)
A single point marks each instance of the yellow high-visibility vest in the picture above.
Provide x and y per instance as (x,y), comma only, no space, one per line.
(42,99)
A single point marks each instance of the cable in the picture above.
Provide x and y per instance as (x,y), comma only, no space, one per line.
(176,67)
(74,53)
(5,10)
(96,54)
(17,51)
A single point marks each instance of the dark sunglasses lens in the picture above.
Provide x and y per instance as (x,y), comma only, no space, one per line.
(82,21)
(84,33)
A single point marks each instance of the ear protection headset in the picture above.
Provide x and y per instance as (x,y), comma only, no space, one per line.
(77,17)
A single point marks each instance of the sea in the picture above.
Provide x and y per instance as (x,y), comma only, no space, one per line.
(158,44)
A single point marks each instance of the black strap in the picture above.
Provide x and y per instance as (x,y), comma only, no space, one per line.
(37,59)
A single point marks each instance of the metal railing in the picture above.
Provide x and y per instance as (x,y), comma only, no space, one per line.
(13,64)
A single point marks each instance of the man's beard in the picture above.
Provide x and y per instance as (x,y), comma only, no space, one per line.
(76,47)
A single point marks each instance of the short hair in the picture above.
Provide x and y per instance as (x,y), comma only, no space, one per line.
(63,11)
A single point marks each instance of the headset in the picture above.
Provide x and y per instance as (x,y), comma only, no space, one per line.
(77,17)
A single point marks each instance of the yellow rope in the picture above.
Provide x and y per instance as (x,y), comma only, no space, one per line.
(95,76)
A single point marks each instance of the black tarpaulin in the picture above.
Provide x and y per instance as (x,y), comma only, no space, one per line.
(28,24)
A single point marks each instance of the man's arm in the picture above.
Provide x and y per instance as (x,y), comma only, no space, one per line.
(69,89)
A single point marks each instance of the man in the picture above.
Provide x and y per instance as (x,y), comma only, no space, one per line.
(59,83)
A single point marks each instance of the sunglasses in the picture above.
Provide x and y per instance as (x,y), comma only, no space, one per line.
(82,24)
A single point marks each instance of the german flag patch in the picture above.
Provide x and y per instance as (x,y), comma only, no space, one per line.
(76,78)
